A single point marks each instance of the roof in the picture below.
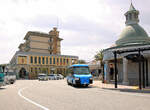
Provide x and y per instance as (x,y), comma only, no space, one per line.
(75,65)
(42,54)
(131,7)
(40,34)
(36,33)
(126,46)
(133,34)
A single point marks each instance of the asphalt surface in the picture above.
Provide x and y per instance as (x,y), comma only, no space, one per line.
(57,95)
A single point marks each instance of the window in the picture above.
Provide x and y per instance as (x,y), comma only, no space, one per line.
(64,61)
(54,60)
(57,60)
(50,60)
(67,61)
(50,39)
(39,69)
(46,60)
(127,17)
(130,16)
(60,60)
(35,60)
(39,60)
(36,70)
(135,16)
(31,70)
(31,59)
(43,59)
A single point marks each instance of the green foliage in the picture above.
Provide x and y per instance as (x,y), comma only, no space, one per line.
(99,56)
(81,61)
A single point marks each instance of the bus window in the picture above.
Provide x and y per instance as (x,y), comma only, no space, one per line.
(81,70)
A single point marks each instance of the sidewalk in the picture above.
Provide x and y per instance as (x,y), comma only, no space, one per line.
(101,85)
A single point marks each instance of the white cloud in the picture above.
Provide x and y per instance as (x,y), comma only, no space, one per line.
(85,25)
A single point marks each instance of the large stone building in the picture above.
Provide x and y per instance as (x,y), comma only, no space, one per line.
(40,53)
(133,37)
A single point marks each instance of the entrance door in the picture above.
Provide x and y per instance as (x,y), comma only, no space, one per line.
(22,73)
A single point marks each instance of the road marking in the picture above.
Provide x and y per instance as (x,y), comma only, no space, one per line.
(27,99)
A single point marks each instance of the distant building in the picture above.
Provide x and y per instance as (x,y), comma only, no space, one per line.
(95,68)
(133,37)
(41,53)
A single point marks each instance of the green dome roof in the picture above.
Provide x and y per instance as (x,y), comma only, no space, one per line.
(133,34)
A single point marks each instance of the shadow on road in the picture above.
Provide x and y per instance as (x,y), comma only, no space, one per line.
(83,87)
(128,90)
(2,88)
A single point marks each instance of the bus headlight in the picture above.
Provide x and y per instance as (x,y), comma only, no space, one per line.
(77,78)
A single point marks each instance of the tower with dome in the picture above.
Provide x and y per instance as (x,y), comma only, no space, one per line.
(132,37)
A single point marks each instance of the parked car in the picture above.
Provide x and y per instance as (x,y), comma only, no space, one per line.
(56,77)
(43,77)
(10,77)
(60,76)
(51,77)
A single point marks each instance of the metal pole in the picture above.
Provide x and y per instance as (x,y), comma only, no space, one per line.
(143,73)
(146,72)
(116,71)
(139,69)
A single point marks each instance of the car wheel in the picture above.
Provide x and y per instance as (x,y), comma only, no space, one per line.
(12,82)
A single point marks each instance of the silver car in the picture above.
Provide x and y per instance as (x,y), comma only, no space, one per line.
(51,77)
(60,76)
(43,77)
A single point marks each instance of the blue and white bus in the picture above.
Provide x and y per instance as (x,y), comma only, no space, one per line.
(79,74)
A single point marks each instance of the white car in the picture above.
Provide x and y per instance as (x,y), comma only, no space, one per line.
(43,77)
(51,77)
(60,76)
(11,77)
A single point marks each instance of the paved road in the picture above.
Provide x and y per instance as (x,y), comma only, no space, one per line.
(57,95)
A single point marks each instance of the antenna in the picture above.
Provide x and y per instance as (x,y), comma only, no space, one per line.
(57,25)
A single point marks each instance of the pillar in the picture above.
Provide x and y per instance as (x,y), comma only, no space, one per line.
(125,72)
(107,71)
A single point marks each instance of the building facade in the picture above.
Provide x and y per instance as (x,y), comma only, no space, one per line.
(41,53)
(133,37)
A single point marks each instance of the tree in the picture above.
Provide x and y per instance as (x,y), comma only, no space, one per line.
(99,56)
(81,61)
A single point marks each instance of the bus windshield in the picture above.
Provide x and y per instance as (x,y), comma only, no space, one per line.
(81,70)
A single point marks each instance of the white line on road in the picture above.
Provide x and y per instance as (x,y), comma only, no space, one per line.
(27,99)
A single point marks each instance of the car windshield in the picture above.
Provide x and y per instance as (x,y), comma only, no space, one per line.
(81,70)
(42,75)
(51,75)
(10,73)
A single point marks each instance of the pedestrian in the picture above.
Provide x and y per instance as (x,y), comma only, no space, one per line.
(111,72)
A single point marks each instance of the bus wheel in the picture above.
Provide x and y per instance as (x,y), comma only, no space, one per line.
(68,82)
(86,85)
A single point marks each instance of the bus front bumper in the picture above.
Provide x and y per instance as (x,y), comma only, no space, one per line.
(84,81)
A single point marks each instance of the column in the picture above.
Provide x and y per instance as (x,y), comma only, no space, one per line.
(125,72)
(107,71)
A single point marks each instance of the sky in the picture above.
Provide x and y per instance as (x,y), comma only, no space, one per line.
(86,26)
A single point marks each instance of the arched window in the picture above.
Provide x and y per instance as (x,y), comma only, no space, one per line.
(31,59)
